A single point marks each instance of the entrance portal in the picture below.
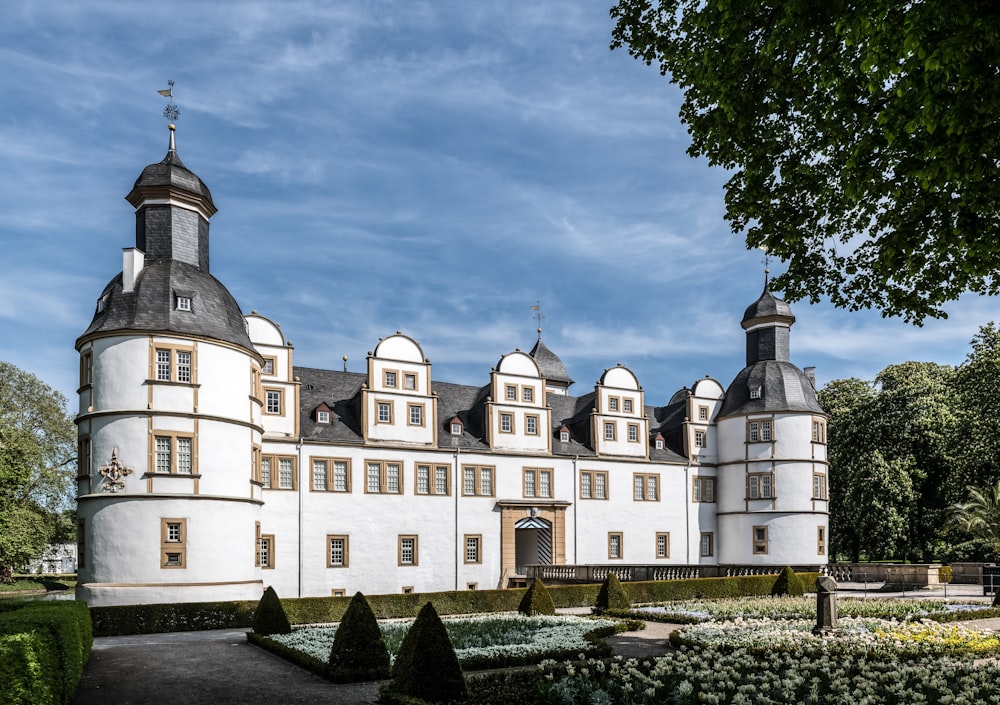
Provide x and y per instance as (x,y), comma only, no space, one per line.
(532,543)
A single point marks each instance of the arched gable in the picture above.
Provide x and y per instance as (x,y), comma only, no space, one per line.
(399,347)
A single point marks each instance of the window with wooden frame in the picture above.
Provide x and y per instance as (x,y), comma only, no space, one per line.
(322,416)
(473,548)
(528,394)
(170,363)
(537,482)
(477,480)
(760,540)
(337,551)
(407,589)
(432,479)
(383,412)
(659,443)
(269,366)
(760,485)
(338,592)
(81,543)
(408,554)
(759,431)
(633,433)
(278,472)
(173,454)
(331,474)
(267,551)
(564,436)
(614,545)
(510,392)
(627,405)
(506,423)
(613,403)
(531,424)
(662,549)
(256,386)
(700,438)
(456,428)
(707,544)
(86,369)
(703,413)
(702,489)
(274,401)
(83,457)
(819,486)
(646,487)
(472,586)
(383,477)
(818,431)
(820,540)
(173,543)
(415,414)
(609,430)
(390,378)
(593,484)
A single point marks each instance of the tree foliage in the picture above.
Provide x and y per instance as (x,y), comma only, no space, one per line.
(37,452)
(861,138)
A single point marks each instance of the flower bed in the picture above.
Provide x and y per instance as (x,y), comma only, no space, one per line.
(485,641)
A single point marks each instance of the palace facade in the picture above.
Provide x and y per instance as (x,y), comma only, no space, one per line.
(212,466)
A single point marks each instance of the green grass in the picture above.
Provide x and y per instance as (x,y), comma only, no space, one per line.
(39,583)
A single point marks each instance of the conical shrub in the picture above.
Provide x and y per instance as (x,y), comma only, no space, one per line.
(788,583)
(270,617)
(426,666)
(537,600)
(358,652)
(612,595)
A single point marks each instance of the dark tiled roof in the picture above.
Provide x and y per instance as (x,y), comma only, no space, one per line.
(768,305)
(170,172)
(151,305)
(783,386)
(551,367)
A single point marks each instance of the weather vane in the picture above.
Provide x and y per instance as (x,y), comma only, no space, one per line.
(767,262)
(171,112)
(538,316)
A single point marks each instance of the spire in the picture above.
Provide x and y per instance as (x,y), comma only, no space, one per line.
(767,322)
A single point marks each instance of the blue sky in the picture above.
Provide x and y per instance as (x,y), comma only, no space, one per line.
(429,167)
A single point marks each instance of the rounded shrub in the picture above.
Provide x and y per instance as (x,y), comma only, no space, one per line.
(537,600)
(788,583)
(426,666)
(270,617)
(358,652)
(612,595)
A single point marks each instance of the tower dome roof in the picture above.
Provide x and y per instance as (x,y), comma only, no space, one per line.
(152,305)
(767,306)
(549,364)
(169,175)
(770,386)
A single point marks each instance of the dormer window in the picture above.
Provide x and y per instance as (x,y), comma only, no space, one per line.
(322,416)
(102,304)
(755,393)
(183,303)
(456,428)
(564,436)
(659,442)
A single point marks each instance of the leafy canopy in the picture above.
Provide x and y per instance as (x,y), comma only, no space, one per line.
(861,137)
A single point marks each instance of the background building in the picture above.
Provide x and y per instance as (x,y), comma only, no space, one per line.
(211,466)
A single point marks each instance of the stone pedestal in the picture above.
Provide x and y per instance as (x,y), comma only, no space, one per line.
(826,606)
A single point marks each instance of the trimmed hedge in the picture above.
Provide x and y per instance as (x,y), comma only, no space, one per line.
(612,596)
(426,666)
(43,649)
(358,652)
(537,600)
(788,583)
(194,616)
(270,617)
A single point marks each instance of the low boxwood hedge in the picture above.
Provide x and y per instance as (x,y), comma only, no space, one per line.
(43,648)
(193,616)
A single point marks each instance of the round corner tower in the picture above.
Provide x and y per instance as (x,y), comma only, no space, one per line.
(772,495)
(169,417)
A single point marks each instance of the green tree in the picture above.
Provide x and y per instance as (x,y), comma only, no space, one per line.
(978,516)
(860,138)
(977,386)
(37,453)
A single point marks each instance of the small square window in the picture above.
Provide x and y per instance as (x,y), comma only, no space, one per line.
(506,423)
(528,394)
(322,417)
(627,406)
(511,392)
(268,367)
(609,431)
(390,378)
(755,393)
(409,381)
(183,303)
(564,436)
(659,444)
(456,429)
(613,404)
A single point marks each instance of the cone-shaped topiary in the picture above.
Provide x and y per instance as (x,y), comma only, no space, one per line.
(270,617)
(788,583)
(537,600)
(426,666)
(612,595)
(358,652)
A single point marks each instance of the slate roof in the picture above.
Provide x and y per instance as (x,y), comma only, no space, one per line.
(151,307)
(170,172)
(767,306)
(341,392)
(549,364)
(784,387)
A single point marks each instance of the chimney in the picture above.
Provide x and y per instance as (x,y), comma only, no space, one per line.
(133,260)
(810,373)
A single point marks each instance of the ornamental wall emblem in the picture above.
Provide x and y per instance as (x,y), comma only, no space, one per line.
(114,473)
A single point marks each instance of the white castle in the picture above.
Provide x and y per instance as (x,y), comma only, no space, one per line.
(212,467)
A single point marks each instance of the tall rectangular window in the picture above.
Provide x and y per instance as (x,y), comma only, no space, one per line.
(707,544)
(278,472)
(663,545)
(337,551)
(423,479)
(765,431)
(163,365)
(164,461)
(408,550)
(477,480)
(384,477)
(416,414)
(700,439)
(441,479)
(820,540)
(703,413)
(760,540)
(819,486)
(818,431)
(506,423)
(272,401)
(468,480)
(184,455)
(760,486)
(86,369)
(183,366)
(531,425)
(609,431)
(267,551)
(286,476)
(633,433)
(319,475)
(614,545)
(627,406)
(341,476)
(265,471)
(473,548)
(703,489)
(384,410)
(646,487)
(486,482)
(586,485)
